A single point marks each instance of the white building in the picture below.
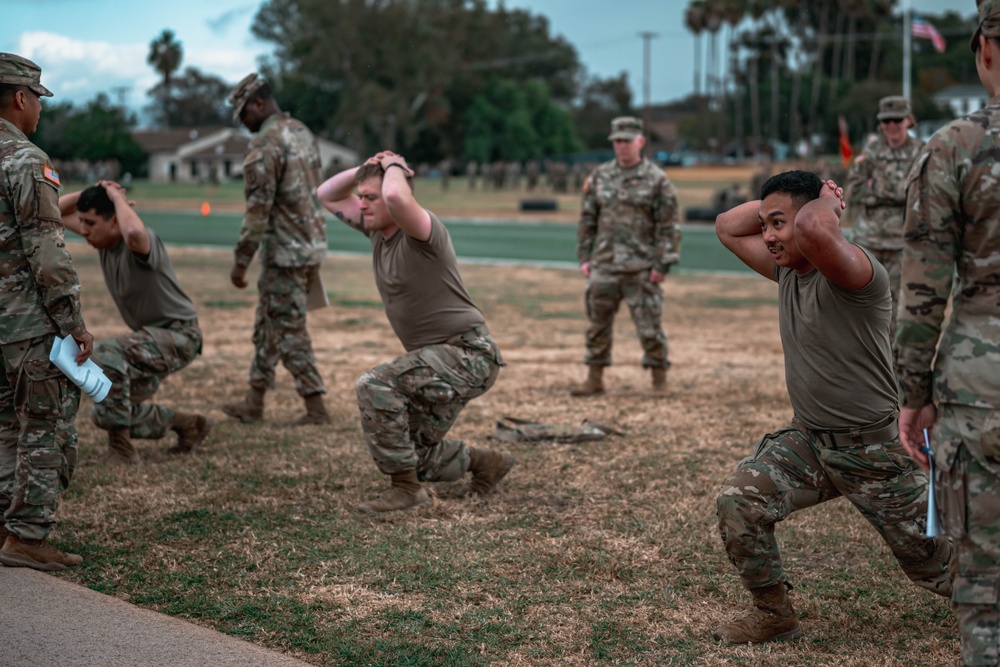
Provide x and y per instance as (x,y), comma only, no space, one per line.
(962,99)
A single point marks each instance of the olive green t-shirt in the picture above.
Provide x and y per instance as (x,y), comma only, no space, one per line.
(145,287)
(838,358)
(424,296)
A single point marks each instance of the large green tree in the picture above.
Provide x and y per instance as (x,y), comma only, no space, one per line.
(192,99)
(403,73)
(97,131)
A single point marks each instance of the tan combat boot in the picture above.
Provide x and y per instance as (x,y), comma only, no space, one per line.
(315,412)
(593,385)
(191,431)
(659,380)
(250,410)
(488,468)
(36,554)
(405,493)
(772,620)
(120,448)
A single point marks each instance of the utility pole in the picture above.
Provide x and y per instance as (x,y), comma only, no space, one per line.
(646,37)
(907,47)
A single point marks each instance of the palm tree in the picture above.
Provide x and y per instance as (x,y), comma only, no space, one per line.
(165,55)
(695,20)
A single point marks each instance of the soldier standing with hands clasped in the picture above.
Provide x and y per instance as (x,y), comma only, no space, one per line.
(628,238)
(284,219)
(949,369)
(39,300)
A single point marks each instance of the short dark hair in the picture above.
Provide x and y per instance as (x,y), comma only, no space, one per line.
(262,93)
(803,186)
(7,92)
(95,198)
(375,170)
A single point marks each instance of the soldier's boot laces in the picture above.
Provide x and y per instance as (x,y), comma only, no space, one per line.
(593,385)
(406,493)
(250,410)
(316,412)
(36,554)
(191,431)
(772,619)
(488,467)
(659,380)
(120,448)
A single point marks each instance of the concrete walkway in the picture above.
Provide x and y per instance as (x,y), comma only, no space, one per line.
(48,622)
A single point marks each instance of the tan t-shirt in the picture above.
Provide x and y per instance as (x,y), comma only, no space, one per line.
(424,296)
(145,287)
(838,358)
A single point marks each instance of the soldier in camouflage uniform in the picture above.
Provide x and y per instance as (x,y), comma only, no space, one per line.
(409,403)
(39,300)
(876,187)
(949,370)
(165,336)
(833,315)
(283,218)
(628,238)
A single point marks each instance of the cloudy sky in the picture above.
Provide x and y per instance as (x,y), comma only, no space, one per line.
(89,46)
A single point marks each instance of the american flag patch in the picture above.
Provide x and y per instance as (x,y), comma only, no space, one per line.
(51,175)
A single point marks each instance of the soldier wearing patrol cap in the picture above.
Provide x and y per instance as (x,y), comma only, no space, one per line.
(283,220)
(627,240)
(40,300)
(948,368)
(876,189)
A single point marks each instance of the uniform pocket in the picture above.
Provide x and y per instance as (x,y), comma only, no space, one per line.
(40,389)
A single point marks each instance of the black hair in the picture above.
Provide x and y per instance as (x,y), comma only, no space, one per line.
(262,93)
(803,186)
(7,92)
(95,198)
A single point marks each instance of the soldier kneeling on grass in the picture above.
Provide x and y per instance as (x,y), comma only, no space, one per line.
(409,403)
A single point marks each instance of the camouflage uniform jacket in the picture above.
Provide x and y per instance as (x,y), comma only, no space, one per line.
(629,219)
(877,186)
(39,288)
(952,248)
(282,171)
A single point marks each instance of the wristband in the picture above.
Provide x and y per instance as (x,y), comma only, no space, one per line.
(394,164)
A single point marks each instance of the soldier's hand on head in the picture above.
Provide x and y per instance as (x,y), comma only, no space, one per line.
(85,341)
(239,276)
(831,189)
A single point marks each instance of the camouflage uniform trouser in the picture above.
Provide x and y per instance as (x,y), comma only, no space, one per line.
(38,451)
(136,364)
(793,469)
(408,404)
(892,260)
(967,450)
(605,292)
(279,329)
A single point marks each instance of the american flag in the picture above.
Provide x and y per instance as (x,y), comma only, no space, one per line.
(922,29)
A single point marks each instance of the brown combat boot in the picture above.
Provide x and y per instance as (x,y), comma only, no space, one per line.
(488,468)
(659,380)
(772,620)
(405,493)
(250,410)
(315,412)
(191,431)
(593,385)
(36,554)
(3,532)
(120,448)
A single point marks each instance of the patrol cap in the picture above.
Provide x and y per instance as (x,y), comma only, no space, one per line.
(250,84)
(16,70)
(626,127)
(894,107)
(989,21)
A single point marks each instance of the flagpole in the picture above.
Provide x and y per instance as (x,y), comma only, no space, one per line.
(907,48)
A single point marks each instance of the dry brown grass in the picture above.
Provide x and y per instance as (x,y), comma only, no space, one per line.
(595,553)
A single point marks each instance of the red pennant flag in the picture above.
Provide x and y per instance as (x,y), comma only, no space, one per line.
(845,142)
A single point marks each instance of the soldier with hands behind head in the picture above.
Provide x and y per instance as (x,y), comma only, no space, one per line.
(39,300)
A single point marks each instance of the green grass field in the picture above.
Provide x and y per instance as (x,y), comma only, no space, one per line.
(547,243)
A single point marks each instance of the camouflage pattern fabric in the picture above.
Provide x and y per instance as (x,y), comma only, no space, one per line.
(38,443)
(876,185)
(408,405)
(512,429)
(39,289)
(280,331)
(951,256)
(969,503)
(629,219)
(793,469)
(281,172)
(136,364)
(603,296)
